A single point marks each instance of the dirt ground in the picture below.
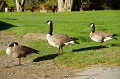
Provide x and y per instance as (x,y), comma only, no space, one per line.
(47,69)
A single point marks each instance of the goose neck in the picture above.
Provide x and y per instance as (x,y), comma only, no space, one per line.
(93,29)
(51,29)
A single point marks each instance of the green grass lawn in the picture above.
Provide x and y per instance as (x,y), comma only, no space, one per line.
(72,23)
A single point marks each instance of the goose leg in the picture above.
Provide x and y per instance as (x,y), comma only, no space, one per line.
(59,51)
(19,62)
(100,44)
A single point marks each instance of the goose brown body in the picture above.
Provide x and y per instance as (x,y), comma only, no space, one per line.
(59,40)
(18,51)
(100,36)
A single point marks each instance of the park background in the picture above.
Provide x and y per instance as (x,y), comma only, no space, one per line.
(58,5)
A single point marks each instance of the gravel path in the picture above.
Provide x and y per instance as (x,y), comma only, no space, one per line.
(33,70)
(99,73)
(47,69)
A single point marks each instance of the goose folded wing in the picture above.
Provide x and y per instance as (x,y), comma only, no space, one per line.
(63,38)
(103,34)
(27,50)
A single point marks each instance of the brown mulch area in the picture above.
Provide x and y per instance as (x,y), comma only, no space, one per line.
(47,69)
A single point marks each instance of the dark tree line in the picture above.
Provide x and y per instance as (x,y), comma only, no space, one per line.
(100,4)
(112,4)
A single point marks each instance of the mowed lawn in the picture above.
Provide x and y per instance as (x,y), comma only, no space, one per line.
(71,23)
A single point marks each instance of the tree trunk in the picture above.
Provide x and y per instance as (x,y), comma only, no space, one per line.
(20,5)
(60,5)
(68,5)
(65,5)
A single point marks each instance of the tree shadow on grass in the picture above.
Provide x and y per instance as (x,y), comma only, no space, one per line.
(4,25)
(46,57)
(88,48)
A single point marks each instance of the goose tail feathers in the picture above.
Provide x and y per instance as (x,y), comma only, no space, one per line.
(114,36)
(77,42)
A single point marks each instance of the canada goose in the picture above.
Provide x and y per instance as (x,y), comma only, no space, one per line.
(59,40)
(100,36)
(17,51)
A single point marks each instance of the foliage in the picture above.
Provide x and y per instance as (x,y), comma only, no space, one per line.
(51,2)
(38,2)
(112,4)
(2,0)
(32,3)
(10,2)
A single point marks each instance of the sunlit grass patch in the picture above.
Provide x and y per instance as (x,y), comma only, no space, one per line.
(74,24)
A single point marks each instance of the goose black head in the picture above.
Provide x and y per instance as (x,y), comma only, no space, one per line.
(49,22)
(13,44)
(91,24)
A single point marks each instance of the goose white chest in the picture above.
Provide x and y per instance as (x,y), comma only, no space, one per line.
(51,41)
(9,51)
(95,37)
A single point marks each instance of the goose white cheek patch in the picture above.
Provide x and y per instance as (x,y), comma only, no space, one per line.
(49,23)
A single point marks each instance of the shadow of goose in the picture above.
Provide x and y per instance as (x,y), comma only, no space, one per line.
(46,57)
(88,48)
